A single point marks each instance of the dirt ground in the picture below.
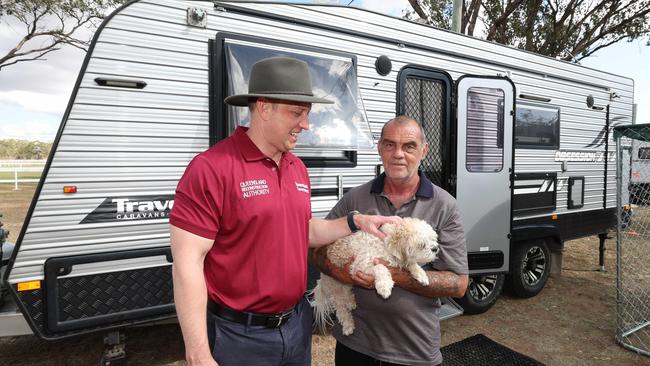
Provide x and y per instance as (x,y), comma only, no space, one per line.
(571,322)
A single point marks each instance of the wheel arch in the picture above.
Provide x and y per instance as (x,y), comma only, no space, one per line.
(549,233)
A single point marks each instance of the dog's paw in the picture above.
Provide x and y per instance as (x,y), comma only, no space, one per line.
(422,279)
(383,289)
(347,329)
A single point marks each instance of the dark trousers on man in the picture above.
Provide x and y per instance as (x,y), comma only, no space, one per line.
(235,344)
(345,356)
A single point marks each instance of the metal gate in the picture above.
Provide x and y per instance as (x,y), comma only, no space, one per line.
(633,237)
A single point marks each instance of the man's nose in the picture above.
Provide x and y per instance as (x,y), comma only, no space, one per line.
(304,123)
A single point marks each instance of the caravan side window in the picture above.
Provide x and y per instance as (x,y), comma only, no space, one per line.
(342,125)
(484,130)
(537,127)
(644,153)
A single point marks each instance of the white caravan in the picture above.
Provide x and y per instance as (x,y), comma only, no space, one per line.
(522,141)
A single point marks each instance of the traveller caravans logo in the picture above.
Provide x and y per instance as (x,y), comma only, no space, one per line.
(131,208)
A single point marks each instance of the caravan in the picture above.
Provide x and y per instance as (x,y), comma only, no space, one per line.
(521,140)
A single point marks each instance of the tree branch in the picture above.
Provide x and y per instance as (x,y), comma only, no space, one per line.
(29,59)
(503,17)
(415,4)
(591,51)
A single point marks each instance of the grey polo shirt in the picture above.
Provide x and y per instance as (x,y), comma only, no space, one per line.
(405,328)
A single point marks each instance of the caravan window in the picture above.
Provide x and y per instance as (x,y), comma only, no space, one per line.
(644,153)
(537,127)
(339,126)
(484,146)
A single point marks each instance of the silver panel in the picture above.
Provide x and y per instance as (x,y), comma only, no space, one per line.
(483,186)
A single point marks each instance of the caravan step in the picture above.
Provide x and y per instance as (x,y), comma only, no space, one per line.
(12,322)
(449,308)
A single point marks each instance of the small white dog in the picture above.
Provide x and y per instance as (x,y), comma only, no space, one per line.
(408,245)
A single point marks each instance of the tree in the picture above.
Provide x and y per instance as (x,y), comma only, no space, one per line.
(569,29)
(50,25)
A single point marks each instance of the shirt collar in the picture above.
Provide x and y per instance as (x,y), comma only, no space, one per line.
(425,189)
(250,151)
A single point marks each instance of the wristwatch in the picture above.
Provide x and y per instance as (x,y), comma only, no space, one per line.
(351,224)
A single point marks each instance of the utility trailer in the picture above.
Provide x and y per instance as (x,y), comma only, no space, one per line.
(521,140)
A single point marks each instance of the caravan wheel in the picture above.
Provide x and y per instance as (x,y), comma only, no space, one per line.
(530,267)
(482,292)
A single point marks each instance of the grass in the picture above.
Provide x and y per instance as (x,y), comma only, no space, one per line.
(21,175)
(14,206)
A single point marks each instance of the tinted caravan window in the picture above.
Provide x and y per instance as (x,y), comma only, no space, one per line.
(484,146)
(537,127)
(644,153)
(342,125)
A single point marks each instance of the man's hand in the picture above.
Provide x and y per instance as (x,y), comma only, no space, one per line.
(372,223)
(364,280)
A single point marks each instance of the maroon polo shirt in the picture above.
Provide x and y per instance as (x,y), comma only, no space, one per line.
(258,216)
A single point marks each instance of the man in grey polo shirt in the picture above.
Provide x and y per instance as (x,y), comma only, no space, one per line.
(405,328)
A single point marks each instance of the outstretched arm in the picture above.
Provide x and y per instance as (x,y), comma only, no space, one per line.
(323,232)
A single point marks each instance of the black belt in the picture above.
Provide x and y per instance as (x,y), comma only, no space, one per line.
(243,317)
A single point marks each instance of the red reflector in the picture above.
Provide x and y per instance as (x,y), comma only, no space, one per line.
(70,189)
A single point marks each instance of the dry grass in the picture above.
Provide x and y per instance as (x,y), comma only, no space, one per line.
(571,322)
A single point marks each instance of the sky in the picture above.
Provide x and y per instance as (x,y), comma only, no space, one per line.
(34,94)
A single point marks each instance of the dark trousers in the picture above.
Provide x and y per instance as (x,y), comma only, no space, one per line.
(345,356)
(235,344)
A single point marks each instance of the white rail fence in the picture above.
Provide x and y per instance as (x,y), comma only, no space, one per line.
(20,171)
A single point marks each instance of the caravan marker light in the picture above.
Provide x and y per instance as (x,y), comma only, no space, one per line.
(554,217)
(28,286)
(70,189)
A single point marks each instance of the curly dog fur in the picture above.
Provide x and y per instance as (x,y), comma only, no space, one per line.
(407,246)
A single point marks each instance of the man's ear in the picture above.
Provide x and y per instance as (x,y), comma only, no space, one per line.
(263,107)
(426,149)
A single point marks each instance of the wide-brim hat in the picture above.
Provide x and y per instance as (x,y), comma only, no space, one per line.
(282,78)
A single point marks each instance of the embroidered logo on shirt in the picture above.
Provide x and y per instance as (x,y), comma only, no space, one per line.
(302,187)
(254,187)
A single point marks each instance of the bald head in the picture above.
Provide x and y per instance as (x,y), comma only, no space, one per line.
(403,121)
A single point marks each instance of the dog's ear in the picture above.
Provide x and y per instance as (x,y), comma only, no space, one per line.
(396,243)
(388,229)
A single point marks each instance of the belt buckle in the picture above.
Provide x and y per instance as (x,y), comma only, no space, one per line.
(274,321)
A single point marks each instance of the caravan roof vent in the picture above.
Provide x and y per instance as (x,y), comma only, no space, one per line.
(383,65)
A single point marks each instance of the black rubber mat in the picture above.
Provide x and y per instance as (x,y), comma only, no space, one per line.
(479,350)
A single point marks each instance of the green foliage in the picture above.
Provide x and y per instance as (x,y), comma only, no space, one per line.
(570,29)
(21,149)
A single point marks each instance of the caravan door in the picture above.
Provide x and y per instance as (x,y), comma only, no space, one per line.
(484,167)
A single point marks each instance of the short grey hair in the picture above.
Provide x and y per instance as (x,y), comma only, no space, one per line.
(403,120)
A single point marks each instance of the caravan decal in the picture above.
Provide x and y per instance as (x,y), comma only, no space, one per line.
(131,208)
(585,156)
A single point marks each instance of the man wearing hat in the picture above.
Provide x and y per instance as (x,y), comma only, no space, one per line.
(240,228)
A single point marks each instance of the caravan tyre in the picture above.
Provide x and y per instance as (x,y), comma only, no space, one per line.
(530,266)
(482,292)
